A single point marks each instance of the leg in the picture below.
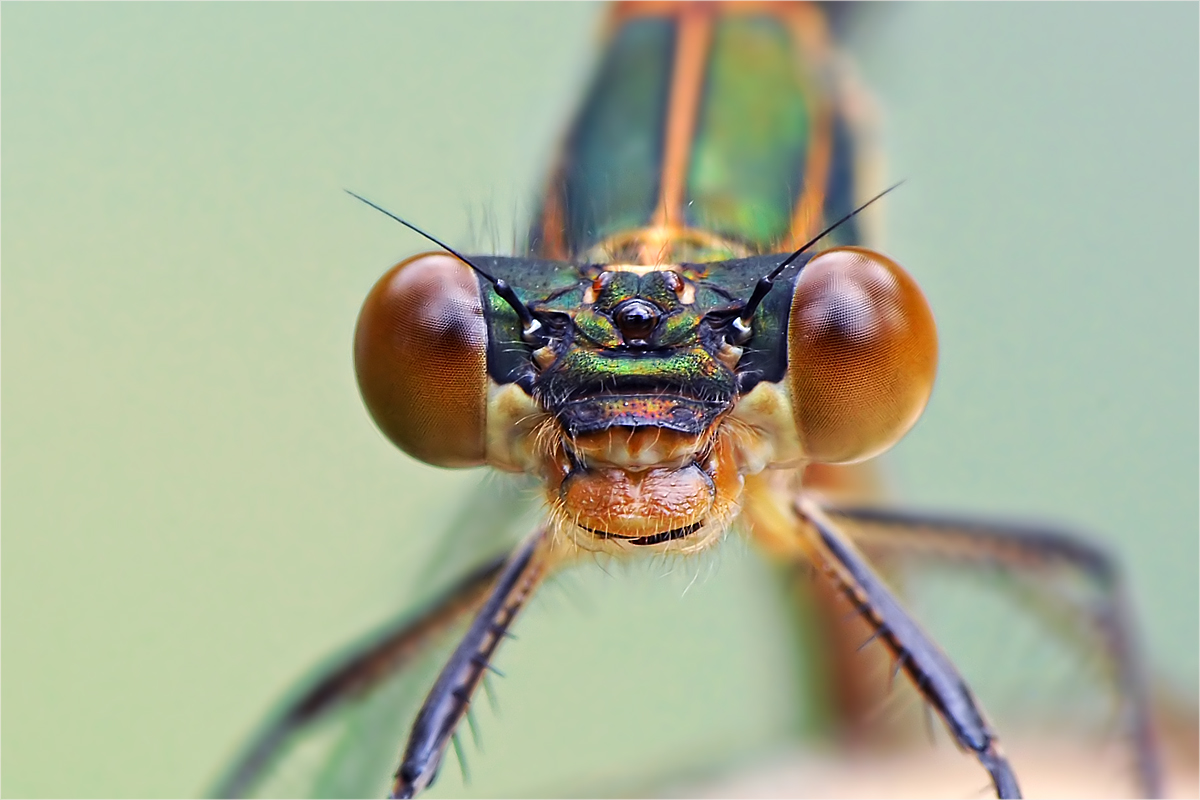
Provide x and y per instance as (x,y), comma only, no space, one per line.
(451,695)
(1030,551)
(924,663)
(804,531)
(354,675)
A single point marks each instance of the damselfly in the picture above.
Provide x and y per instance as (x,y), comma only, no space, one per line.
(693,347)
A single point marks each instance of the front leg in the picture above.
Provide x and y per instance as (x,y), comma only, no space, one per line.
(450,697)
(354,676)
(1051,559)
(804,531)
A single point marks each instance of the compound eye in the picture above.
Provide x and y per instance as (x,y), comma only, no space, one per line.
(862,354)
(420,351)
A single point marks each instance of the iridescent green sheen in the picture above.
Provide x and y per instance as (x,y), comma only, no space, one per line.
(693,370)
(610,174)
(749,150)
(752,138)
(596,329)
(618,287)
(622,286)
(678,329)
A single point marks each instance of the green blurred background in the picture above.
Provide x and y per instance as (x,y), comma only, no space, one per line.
(197,507)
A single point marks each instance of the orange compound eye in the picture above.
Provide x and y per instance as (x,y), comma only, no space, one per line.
(420,351)
(862,354)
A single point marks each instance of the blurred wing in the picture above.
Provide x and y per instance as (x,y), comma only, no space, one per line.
(340,732)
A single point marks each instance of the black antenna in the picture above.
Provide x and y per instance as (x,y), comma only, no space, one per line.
(530,325)
(742,323)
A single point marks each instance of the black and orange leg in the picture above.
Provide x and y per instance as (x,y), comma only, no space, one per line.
(801,530)
(356,674)
(450,698)
(1050,557)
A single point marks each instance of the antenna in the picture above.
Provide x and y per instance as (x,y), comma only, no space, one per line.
(530,326)
(742,323)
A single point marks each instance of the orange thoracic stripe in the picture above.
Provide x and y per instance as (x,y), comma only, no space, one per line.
(687,84)
(663,178)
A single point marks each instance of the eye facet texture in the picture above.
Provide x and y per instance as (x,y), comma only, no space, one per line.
(420,351)
(862,354)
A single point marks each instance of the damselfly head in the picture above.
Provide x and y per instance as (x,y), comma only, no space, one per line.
(641,395)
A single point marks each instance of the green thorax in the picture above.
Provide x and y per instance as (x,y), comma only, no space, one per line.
(764,157)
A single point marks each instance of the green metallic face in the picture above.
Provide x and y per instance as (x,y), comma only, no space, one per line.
(632,316)
(634,346)
(637,355)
